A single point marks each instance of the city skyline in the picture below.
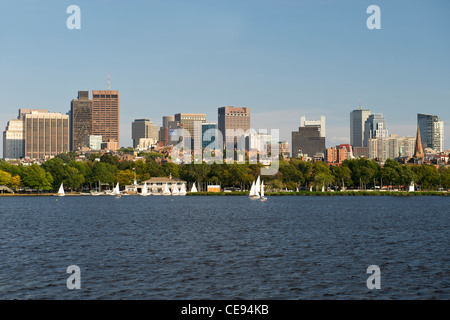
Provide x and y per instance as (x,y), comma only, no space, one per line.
(282,60)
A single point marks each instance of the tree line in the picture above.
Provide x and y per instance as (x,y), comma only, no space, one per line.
(295,174)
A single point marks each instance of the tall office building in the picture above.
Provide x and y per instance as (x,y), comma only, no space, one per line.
(431,131)
(233,118)
(14,135)
(105,114)
(80,120)
(191,122)
(391,147)
(307,140)
(209,132)
(166,120)
(143,129)
(374,127)
(164,130)
(358,118)
(45,134)
(314,123)
(13,140)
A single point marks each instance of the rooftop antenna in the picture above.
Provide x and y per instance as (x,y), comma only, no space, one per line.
(109,84)
(359,101)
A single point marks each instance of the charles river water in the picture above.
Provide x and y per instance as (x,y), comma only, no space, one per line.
(224,247)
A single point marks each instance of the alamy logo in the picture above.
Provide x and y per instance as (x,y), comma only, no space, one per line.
(74,281)
(374,21)
(74,21)
(374,281)
(239,147)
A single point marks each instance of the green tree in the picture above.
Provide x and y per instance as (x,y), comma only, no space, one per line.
(342,176)
(36,177)
(16,182)
(444,177)
(389,175)
(125,177)
(73,179)
(103,172)
(67,157)
(56,168)
(5,178)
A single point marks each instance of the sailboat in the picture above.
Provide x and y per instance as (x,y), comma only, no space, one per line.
(257,187)
(254,193)
(262,198)
(116,191)
(144,191)
(61,191)
(194,188)
(411,187)
(175,191)
(252,190)
(183,190)
(166,191)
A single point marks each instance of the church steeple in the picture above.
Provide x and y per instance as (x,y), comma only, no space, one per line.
(418,151)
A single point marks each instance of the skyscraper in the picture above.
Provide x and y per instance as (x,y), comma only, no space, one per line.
(164,130)
(233,118)
(307,140)
(314,123)
(105,114)
(13,140)
(80,120)
(188,120)
(45,134)
(143,129)
(209,135)
(358,118)
(431,131)
(374,127)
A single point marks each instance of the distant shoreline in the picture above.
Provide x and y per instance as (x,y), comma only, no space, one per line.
(269,194)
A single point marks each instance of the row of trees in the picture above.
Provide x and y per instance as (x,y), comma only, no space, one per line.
(355,173)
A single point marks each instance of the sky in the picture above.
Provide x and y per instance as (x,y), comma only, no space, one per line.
(281,58)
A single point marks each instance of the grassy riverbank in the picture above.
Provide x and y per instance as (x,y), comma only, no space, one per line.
(270,194)
(337,193)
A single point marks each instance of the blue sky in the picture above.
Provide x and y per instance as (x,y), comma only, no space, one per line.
(281,58)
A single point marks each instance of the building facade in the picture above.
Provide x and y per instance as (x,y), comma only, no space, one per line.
(143,129)
(375,127)
(233,118)
(431,131)
(209,135)
(391,147)
(105,114)
(307,141)
(93,142)
(314,123)
(13,140)
(45,134)
(191,122)
(358,118)
(80,120)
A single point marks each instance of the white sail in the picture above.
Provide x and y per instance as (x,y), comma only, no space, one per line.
(194,188)
(183,190)
(61,190)
(262,188)
(175,190)
(323,188)
(252,189)
(411,187)
(116,189)
(257,186)
(166,190)
(144,189)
